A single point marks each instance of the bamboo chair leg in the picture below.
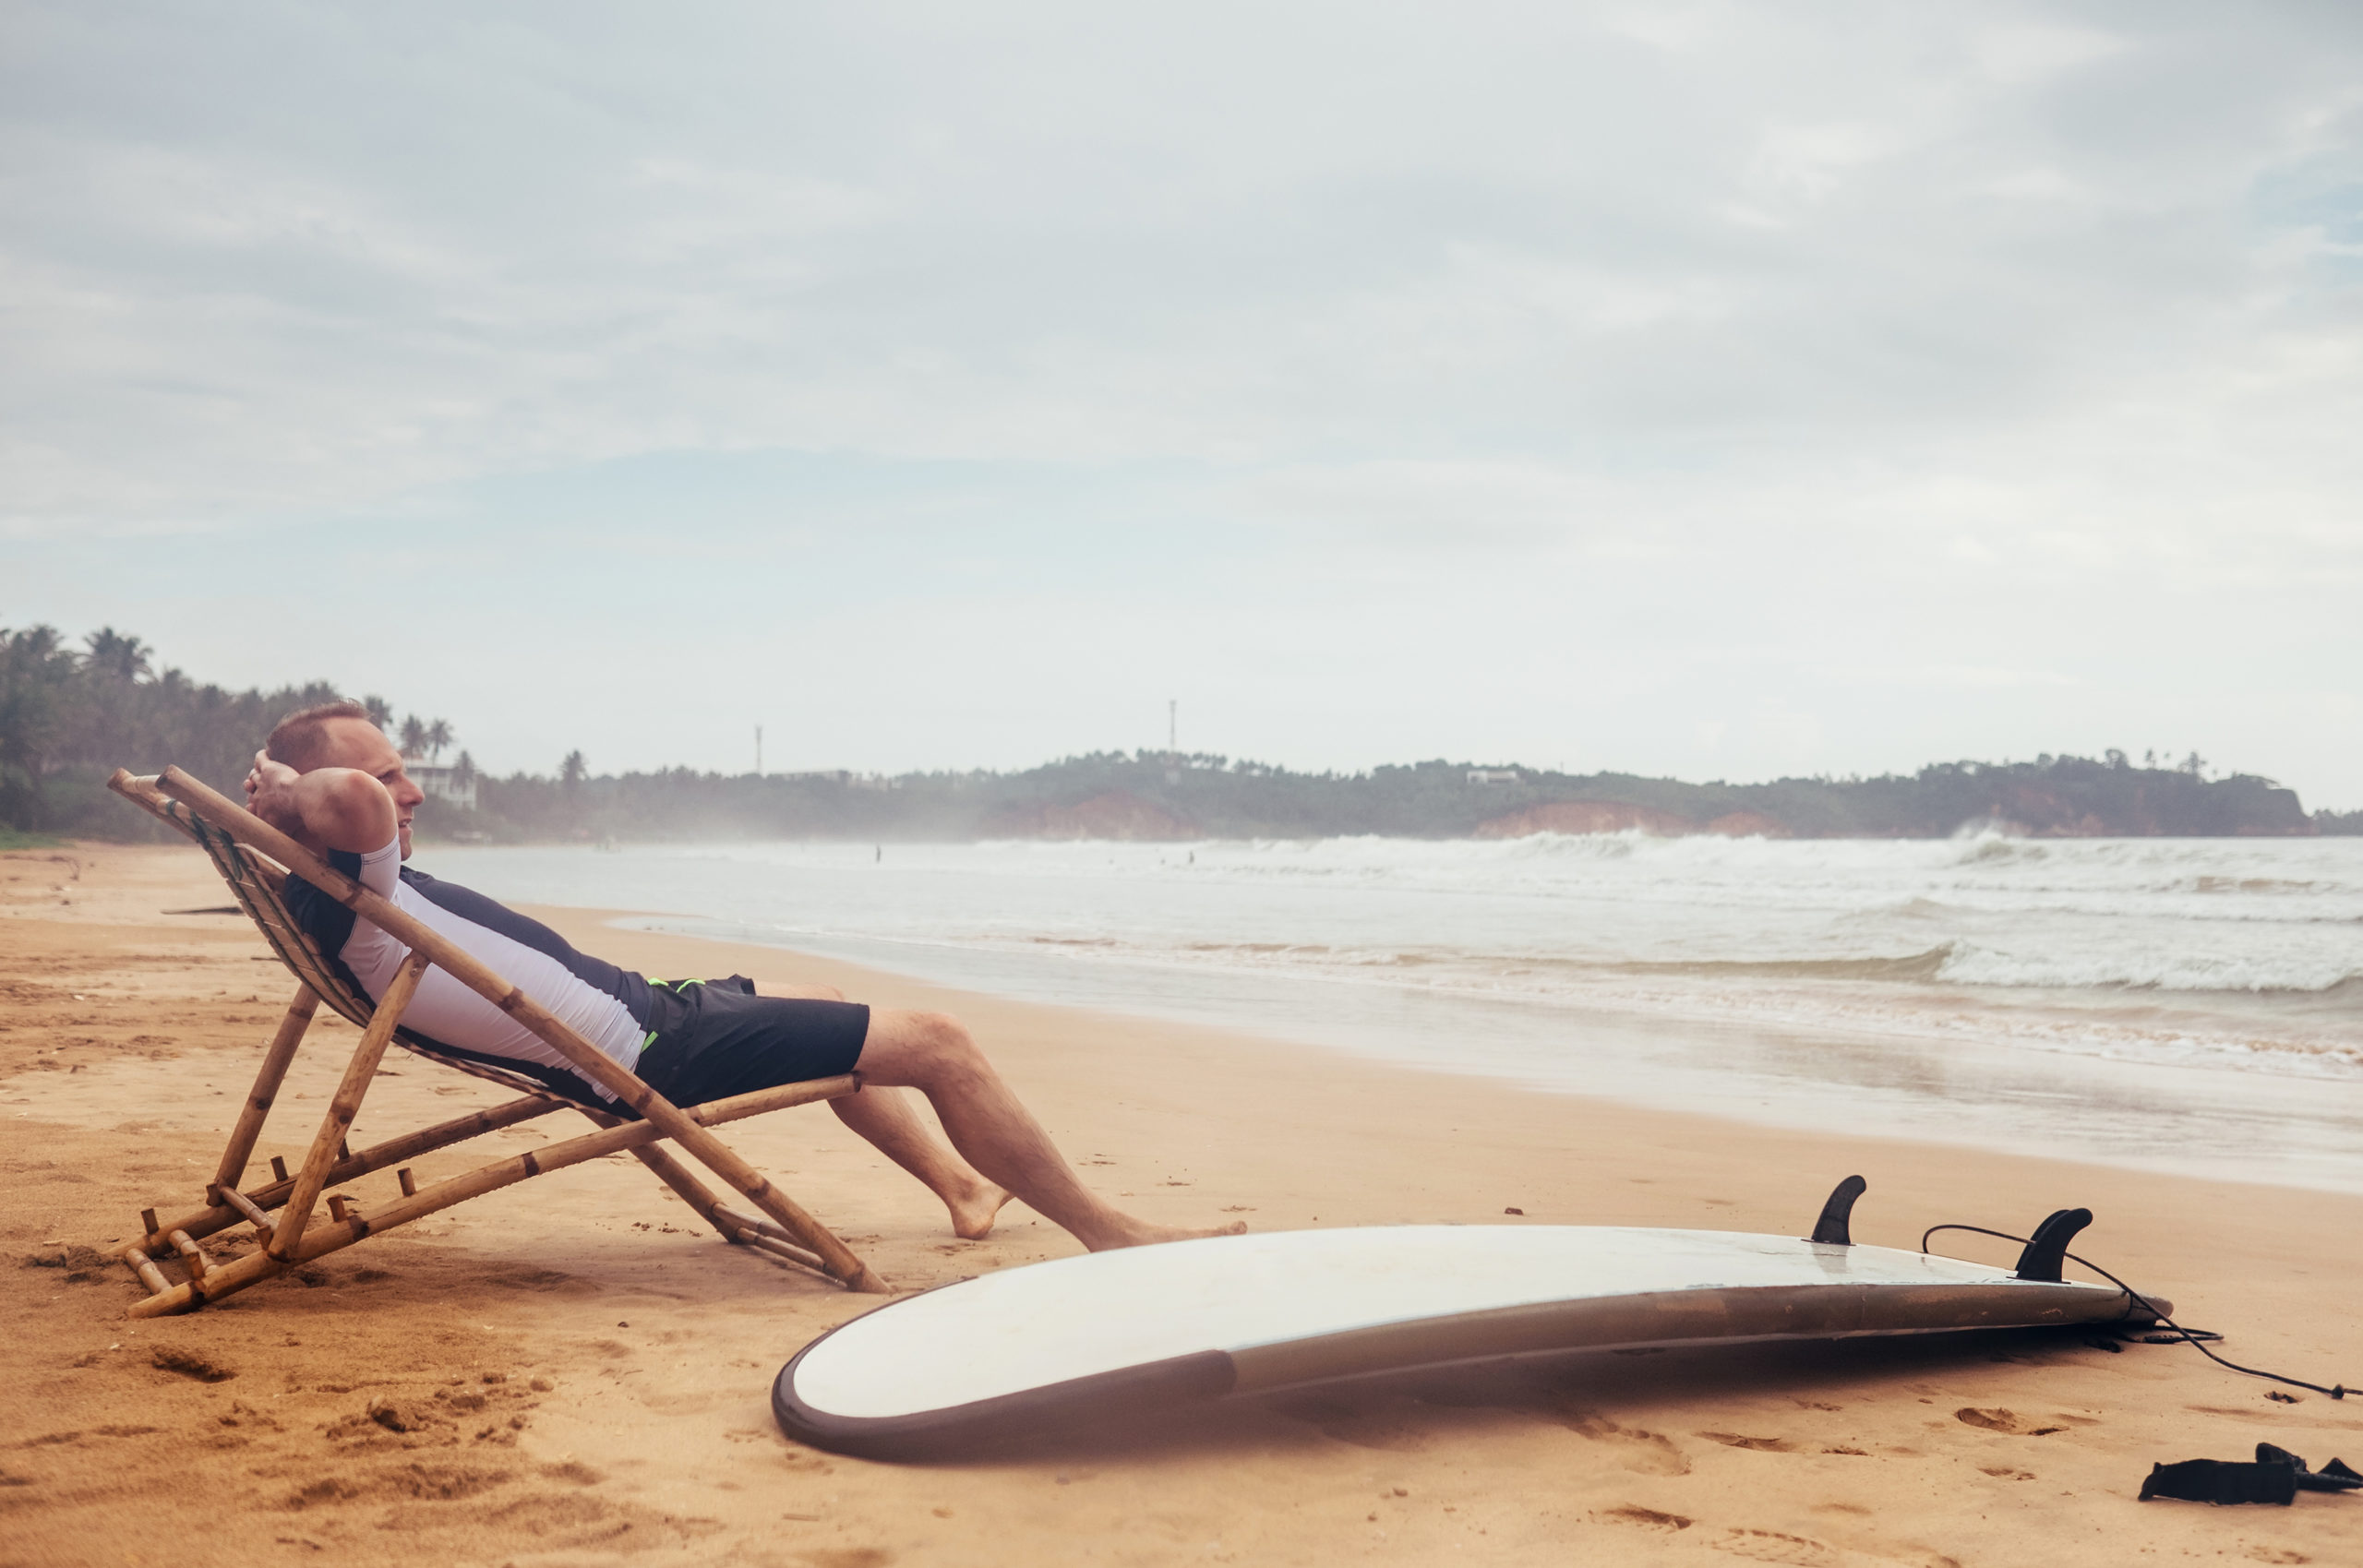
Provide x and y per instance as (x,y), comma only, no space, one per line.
(395,1151)
(674,1174)
(335,1236)
(697,1194)
(241,1147)
(738,1229)
(327,1148)
(762,1235)
(838,1260)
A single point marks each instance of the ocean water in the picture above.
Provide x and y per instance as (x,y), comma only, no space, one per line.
(2170,1004)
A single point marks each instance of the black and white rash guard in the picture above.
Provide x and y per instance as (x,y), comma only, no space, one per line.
(607,1006)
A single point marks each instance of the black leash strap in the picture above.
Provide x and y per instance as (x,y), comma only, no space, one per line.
(2276,1476)
(2189,1336)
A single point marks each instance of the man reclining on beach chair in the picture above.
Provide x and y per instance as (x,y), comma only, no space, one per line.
(331,781)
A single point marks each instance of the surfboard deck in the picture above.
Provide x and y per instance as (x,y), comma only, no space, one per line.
(1065,1341)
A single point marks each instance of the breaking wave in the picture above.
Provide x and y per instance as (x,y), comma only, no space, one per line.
(2213,952)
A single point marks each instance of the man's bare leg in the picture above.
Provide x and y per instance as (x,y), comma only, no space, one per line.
(889,1121)
(891,1124)
(933,1053)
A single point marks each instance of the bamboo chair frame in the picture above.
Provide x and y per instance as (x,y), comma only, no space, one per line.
(254,859)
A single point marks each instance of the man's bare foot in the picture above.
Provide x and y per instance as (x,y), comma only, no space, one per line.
(973,1212)
(1140,1232)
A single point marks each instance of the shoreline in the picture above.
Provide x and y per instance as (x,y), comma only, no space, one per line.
(1735,1095)
(656,1344)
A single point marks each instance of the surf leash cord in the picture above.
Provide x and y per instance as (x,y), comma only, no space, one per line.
(2189,1336)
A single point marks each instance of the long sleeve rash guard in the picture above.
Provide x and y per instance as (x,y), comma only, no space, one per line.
(605,1005)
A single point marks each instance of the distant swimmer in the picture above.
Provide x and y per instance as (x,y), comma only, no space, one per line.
(879,856)
(331,781)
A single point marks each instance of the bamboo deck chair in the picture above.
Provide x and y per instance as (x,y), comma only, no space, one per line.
(244,849)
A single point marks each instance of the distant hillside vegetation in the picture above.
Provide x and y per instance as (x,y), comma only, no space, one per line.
(1148,796)
(70,715)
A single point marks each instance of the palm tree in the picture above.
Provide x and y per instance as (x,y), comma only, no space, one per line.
(413,737)
(114,652)
(439,736)
(569,772)
(381,712)
(463,771)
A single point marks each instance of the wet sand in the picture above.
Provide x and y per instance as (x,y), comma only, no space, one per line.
(570,1372)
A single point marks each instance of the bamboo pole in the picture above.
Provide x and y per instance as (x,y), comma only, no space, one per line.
(738,1229)
(410,1145)
(233,1170)
(585,1058)
(262,1222)
(199,1267)
(345,1105)
(756,1231)
(670,1171)
(554,1157)
(322,1240)
(150,1275)
(227,1280)
(786,1250)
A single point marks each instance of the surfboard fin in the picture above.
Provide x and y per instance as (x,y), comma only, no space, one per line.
(1832,1227)
(2048,1247)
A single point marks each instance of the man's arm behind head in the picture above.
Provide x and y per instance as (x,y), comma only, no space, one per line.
(328,808)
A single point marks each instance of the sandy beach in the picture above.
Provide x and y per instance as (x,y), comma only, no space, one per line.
(572,1371)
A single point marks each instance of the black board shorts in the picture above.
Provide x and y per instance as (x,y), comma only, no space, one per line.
(715,1038)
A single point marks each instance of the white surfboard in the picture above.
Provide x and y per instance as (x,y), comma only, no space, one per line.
(955,1368)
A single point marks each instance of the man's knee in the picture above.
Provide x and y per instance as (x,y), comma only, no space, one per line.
(947,1039)
(932,1044)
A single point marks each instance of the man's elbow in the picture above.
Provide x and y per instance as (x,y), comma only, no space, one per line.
(350,810)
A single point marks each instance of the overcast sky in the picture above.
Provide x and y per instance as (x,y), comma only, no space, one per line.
(1722,390)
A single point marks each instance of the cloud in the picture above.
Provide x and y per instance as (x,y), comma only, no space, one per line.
(1994,312)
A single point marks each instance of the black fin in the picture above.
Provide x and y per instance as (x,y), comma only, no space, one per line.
(1832,1226)
(2332,1477)
(2050,1246)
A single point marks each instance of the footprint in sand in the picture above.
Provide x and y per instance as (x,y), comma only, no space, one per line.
(1643,1453)
(1771,1546)
(1644,1518)
(1759,1444)
(2001,1420)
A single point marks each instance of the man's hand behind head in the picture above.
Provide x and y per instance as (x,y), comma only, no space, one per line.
(270,795)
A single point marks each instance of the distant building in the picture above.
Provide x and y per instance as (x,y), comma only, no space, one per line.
(440,782)
(1492,775)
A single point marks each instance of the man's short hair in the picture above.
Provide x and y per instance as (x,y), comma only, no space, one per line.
(301,739)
